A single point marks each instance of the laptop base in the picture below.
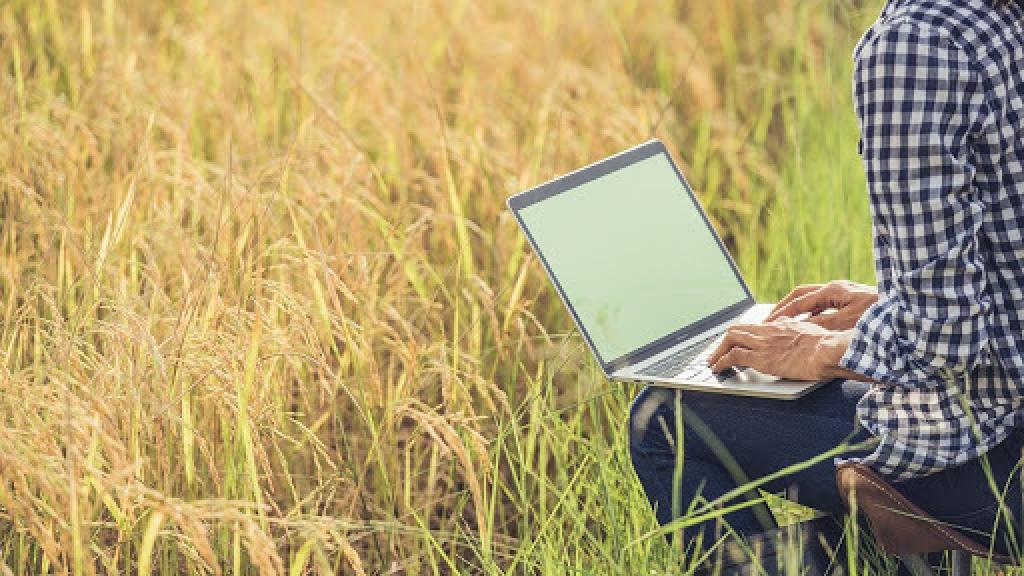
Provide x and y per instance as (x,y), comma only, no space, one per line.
(743,381)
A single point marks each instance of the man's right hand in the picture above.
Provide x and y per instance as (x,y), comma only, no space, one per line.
(836,305)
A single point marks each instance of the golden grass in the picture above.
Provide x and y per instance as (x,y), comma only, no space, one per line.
(262,309)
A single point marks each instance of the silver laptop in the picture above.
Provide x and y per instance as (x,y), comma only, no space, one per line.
(644,275)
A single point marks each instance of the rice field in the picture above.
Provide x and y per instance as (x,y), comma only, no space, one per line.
(262,309)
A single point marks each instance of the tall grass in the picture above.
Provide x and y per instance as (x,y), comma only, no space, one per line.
(262,310)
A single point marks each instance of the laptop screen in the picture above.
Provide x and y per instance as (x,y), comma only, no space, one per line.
(633,255)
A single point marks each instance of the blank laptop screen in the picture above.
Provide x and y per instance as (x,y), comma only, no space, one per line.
(633,255)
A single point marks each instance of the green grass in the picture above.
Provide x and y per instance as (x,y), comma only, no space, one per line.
(262,309)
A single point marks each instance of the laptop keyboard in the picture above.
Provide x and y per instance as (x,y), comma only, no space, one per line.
(688,363)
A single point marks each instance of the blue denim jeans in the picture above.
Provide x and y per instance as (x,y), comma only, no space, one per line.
(728,440)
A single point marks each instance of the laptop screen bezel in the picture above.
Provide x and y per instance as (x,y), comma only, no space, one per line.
(597,170)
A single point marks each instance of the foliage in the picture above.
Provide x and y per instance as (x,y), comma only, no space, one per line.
(262,309)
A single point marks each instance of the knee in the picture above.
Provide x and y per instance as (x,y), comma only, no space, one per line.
(649,414)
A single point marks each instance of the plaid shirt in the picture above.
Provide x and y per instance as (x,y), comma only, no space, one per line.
(939,94)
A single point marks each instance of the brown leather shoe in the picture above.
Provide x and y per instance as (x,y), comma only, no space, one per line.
(899,526)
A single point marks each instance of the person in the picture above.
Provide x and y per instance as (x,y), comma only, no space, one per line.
(926,369)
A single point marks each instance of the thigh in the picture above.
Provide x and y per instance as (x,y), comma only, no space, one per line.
(763,436)
(965,496)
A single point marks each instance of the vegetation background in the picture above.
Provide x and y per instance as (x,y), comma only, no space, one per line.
(262,309)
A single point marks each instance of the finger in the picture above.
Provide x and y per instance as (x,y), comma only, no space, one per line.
(834,321)
(795,293)
(763,362)
(724,346)
(813,302)
(794,305)
(741,357)
(743,335)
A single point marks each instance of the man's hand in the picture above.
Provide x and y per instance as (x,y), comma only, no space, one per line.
(848,299)
(787,349)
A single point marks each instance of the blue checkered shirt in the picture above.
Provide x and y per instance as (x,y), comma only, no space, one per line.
(939,95)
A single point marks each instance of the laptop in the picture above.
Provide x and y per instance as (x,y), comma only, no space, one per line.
(646,278)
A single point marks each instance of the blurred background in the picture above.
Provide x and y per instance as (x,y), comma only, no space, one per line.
(262,309)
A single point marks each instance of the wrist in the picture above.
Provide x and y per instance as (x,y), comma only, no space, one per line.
(830,351)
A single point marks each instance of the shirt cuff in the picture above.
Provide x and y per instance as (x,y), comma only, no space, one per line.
(878,352)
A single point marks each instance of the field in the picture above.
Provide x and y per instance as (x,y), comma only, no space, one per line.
(262,309)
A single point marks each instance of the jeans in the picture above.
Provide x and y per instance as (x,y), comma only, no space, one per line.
(729,440)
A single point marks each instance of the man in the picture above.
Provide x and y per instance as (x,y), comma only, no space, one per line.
(929,367)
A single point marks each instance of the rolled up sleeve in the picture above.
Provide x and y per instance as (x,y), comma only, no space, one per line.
(919,103)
